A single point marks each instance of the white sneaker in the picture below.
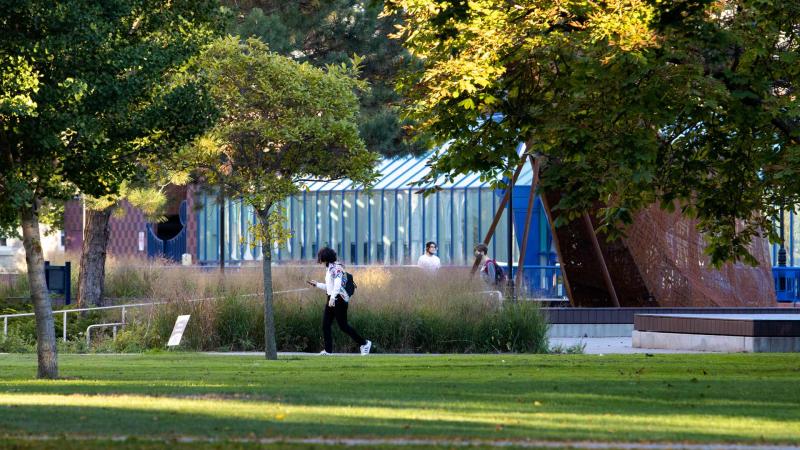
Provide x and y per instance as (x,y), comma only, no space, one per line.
(324,353)
(366,348)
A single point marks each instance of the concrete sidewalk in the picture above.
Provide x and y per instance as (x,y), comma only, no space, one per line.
(609,346)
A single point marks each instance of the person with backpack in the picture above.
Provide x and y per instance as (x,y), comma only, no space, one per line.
(339,287)
(490,272)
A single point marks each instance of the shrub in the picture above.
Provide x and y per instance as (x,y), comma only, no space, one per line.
(16,343)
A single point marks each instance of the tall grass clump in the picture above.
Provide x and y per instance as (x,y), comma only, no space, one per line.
(401,310)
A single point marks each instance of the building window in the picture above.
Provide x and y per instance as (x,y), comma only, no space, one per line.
(3,242)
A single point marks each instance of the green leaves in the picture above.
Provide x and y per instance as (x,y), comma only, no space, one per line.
(282,124)
(330,33)
(89,91)
(631,102)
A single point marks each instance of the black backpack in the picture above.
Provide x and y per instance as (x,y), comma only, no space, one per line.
(500,276)
(350,285)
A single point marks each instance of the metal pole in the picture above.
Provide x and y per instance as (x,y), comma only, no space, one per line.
(123,315)
(782,250)
(222,229)
(511,238)
(528,215)
(554,233)
(598,253)
(498,214)
(5,326)
(64,333)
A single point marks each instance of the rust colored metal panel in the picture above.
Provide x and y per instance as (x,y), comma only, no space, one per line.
(582,266)
(669,249)
(659,263)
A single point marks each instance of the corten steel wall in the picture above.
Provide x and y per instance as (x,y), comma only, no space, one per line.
(659,263)
(669,252)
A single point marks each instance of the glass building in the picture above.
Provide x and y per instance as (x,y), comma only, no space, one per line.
(387,225)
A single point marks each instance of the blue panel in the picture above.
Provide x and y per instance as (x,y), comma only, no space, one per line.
(466,222)
(342,238)
(329,238)
(317,225)
(155,246)
(304,246)
(410,221)
(791,238)
(243,231)
(355,222)
(174,248)
(368,254)
(380,244)
(396,239)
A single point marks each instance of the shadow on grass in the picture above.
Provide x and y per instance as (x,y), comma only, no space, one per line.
(716,398)
(111,422)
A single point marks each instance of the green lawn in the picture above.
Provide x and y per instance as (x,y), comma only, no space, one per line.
(699,398)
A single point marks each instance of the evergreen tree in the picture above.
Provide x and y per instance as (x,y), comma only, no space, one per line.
(331,32)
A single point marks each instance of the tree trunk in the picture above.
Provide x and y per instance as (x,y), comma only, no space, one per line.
(91,279)
(271,348)
(45,330)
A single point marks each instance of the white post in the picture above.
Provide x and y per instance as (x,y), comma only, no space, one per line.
(114,331)
(5,326)
(123,315)
(65,327)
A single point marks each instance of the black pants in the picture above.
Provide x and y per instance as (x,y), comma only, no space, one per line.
(340,313)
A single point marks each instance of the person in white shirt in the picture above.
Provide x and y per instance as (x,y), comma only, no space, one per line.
(429,260)
(337,302)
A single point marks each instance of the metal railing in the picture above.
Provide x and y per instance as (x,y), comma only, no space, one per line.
(122,308)
(102,325)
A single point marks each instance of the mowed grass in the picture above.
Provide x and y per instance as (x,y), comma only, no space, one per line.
(751,398)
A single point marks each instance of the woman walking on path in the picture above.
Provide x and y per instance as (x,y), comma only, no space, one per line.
(337,302)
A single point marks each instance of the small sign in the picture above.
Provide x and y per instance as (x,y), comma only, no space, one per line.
(141,241)
(177,332)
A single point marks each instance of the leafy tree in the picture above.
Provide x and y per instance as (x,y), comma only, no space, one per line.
(688,103)
(283,124)
(331,32)
(84,97)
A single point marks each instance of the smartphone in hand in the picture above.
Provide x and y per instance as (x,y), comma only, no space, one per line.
(311,282)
